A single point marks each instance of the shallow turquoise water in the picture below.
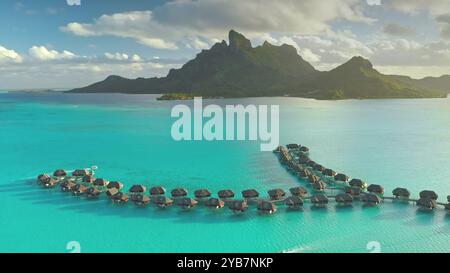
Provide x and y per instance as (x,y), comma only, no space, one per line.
(390,142)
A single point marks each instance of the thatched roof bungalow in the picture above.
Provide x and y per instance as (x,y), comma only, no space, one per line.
(304,149)
(163,201)
(79,189)
(111,192)
(428,195)
(43,178)
(303,159)
(157,190)
(60,173)
(374,188)
(187,203)
(319,199)
(81,173)
(224,194)
(304,173)
(138,189)
(266,207)
(401,193)
(276,194)
(215,203)
(341,177)
(319,168)
(140,200)
(371,199)
(298,191)
(313,179)
(88,179)
(92,193)
(293,202)
(292,146)
(344,198)
(311,164)
(101,182)
(115,185)
(179,192)
(358,183)
(202,193)
(238,205)
(67,185)
(120,198)
(426,203)
(354,191)
(329,172)
(319,186)
(250,193)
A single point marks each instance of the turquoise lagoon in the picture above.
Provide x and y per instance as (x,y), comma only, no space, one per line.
(390,142)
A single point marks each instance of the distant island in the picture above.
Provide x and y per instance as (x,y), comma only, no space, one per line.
(238,69)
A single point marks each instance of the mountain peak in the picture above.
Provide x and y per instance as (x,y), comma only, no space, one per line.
(238,41)
(359,61)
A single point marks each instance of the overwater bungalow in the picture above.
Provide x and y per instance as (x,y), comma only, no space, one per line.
(428,195)
(266,207)
(303,159)
(426,203)
(187,203)
(401,193)
(202,193)
(311,164)
(115,185)
(225,194)
(215,203)
(293,202)
(92,193)
(120,198)
(60,173)
(304,149)
(358,183)
(250,193)
(79,189)
(319,168)
(298,191)
(313,179)
(163,201)
(138,189)
(341,177)
(238,206)
(319,186)
(344,198)
(101,182)
(81,173)
(353,191)
(111,192)
(371,199)
(374,188)
(88,179)
(292,146)
(67,185)
(140,200)
(319,200)
(329,172)
(179,192)
(304,173)
(47,181)
(157,190)
(276,194)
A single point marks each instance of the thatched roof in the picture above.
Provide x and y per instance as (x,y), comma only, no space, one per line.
(341,177)
(428,194)
(44,178)
(311,164)
(353,191)
(79,188)
(162,200)
(202,193)
(319,199)
(401,192)
(374,188)
(371,198)
(92,191)
(266,206)
(120,197)
(115,185)
(328,172)
(215,203)
(80,173)
(292,146)
(276,193)
(250,193)
(319,168)
(304,173)
(319,186)
(355,182)
(67,185)
(313,178)
(179,192)
(157,190)
(344,198)
(187,202)
(293,201)
(101,182)
(303,159)
(304,149)
(238,205)
(140,198)
(298,191)
(138,188)
(225,194)
(426,203)
(112,191)
(60,173)
(88,179)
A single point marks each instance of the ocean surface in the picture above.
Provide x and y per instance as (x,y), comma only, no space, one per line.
(390,142)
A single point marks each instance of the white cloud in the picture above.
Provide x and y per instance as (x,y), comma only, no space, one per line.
(44,54)
(116,56)
(9,56)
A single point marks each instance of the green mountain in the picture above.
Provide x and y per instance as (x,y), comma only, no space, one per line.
(237,69)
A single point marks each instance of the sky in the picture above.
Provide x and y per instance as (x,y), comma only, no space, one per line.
(72,43)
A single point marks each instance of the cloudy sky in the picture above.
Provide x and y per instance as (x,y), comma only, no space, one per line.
(51,44)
